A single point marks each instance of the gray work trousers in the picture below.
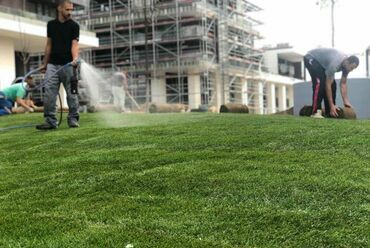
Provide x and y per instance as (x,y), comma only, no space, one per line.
(53,80)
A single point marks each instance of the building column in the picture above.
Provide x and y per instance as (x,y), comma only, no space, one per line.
(7,62)
(245,92)
(194,91)
(158,89)
(290,96)
(219,89)
(271,99)
(260,98)
(282,98)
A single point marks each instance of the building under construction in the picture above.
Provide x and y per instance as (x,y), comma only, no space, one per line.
(196,52)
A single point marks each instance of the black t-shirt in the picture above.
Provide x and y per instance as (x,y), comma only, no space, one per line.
(62,34)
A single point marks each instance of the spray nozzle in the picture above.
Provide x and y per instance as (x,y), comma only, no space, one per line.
(75,62)
(74,82)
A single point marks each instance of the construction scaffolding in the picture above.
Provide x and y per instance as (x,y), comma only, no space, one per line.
(196,52)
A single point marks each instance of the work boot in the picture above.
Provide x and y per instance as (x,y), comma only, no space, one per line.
(73,123)
(45,126)
(318,114)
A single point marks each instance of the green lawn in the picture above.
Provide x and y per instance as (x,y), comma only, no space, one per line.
(186,180)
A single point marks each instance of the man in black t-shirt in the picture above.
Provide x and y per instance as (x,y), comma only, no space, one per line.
(61,48)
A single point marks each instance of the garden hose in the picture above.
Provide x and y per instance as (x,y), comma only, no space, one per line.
(74,84)
(74,90)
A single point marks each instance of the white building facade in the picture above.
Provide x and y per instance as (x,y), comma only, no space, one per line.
(25,32)
(285,68)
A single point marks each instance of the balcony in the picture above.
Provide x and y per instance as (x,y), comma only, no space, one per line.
(28,30)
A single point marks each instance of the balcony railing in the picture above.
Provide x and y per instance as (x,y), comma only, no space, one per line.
(26,14)
(30,15)
(85,3)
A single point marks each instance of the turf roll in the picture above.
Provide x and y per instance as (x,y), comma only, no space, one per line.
(306,110)
(167,108)
(234,108)
(347,113)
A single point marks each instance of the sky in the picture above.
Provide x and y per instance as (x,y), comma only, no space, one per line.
(306,25)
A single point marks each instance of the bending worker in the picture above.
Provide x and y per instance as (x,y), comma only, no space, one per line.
(322,64)
(119,89)
(14,94)
(61,48)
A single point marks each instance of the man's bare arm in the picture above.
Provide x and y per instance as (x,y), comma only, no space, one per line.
(329,94)
(75,51)
(343,91)
(23,103)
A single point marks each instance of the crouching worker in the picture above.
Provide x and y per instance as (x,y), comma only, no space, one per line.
(322,64)
(14,94)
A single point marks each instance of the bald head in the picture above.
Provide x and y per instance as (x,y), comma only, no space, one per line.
(65,9)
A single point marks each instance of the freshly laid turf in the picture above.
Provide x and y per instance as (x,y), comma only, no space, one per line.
(186,180)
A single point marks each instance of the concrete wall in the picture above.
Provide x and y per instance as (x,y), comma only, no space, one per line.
(158,88)
(358,93)
(7,62)
(270,60)
(194,91)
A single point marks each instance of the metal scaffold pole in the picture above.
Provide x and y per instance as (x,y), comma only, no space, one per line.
(111,35)
(196,52)
(154,37)
(222,39)
(179,78)
(147,91)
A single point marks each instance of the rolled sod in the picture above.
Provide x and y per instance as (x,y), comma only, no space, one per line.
(306,110)
(167,108)
(234,108)
(347,113)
